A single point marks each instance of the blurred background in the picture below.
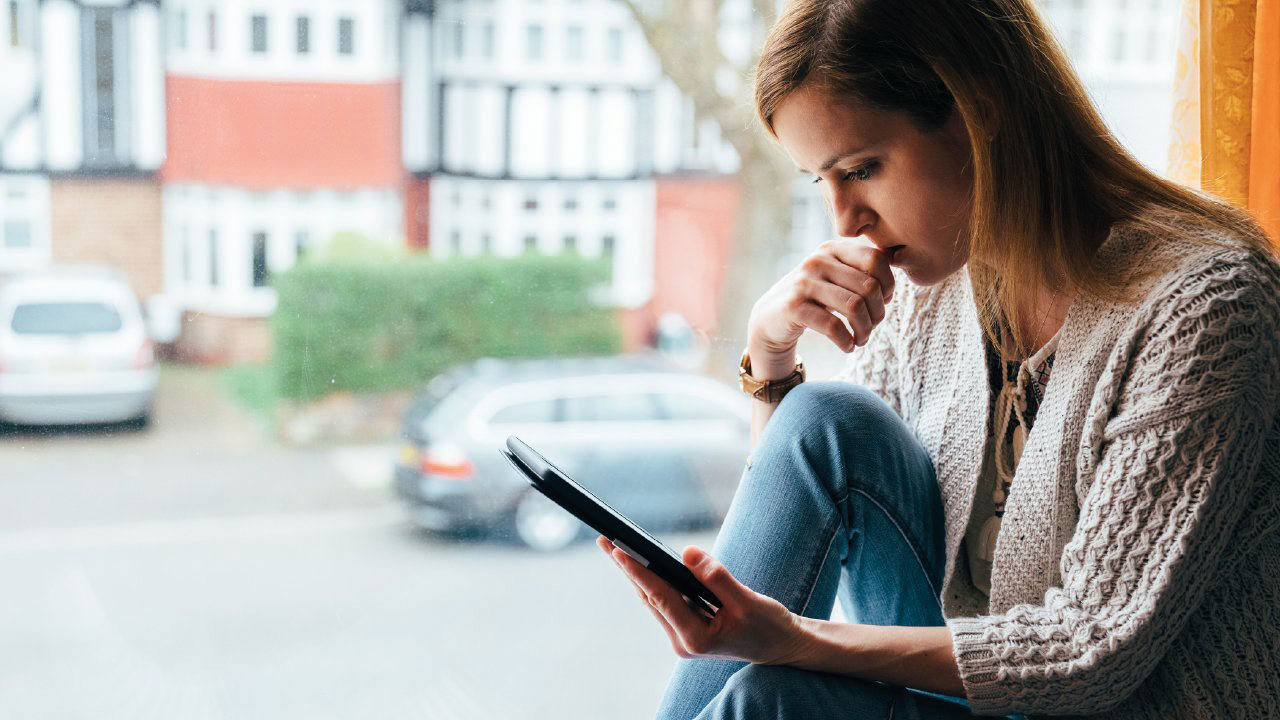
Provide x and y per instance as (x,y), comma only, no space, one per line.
(279,276)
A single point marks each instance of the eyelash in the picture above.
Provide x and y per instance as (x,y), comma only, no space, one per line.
(862,174)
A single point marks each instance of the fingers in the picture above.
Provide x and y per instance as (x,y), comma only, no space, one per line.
(818,318)
(862,312)
(869,260)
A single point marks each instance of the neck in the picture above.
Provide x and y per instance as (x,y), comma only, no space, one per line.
(1043,313)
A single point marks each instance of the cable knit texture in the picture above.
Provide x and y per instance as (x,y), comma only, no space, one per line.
(1137,571)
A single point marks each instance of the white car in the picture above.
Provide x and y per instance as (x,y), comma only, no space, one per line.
(74,349)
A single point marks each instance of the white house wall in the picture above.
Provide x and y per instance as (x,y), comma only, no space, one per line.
(148,129)
(60,94)
(192,211)
(472,216)
(375,40)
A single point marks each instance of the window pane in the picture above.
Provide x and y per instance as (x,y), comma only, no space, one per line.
(64,318)
(529,412)
(261,275)
(620,407)
(17,234)
(258,32)
(346,36)
(302,31)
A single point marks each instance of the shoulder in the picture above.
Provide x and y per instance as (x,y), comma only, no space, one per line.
(1179,259)
(1207,321)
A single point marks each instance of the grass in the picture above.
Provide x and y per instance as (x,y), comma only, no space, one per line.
(254,388)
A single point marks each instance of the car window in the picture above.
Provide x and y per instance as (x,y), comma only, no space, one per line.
(612,407)
(681,406)
(526,412)
(65,318)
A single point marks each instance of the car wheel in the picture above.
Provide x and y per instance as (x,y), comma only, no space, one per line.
(141,422)
(543,525)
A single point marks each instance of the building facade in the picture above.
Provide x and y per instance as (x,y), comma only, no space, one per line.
(82,132)
(204,146)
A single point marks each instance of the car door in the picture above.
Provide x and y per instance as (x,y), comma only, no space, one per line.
(714,437)
(629,458)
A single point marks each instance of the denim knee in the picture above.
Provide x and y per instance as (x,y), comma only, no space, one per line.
(844,404)
(780,691)
(759,691)
(824,423)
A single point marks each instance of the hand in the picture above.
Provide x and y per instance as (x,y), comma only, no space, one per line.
(751,627)
(840,277)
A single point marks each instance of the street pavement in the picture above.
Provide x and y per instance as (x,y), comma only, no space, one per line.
(198,570)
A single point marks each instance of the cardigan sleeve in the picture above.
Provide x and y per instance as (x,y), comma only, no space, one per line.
(1180,458)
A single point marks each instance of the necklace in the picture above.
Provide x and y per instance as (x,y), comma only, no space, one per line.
(1011,404)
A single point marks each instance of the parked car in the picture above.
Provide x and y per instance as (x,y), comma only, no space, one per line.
(664,447)
(74,349)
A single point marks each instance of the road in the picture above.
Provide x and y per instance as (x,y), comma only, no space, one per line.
(198,570)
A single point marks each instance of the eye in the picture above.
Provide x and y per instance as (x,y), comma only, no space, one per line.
(866,172)
(863,173)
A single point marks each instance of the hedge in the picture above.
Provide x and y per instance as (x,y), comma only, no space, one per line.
(369,327)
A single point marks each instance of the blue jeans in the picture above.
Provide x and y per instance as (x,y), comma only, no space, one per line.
(839,499)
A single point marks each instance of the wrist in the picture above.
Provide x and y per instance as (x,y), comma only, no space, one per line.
(769,364)
(802,646)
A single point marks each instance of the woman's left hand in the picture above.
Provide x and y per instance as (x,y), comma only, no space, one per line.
(751,627)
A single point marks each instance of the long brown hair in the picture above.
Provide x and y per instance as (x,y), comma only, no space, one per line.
(1049,177)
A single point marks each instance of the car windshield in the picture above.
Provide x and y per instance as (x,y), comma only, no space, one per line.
(65,318)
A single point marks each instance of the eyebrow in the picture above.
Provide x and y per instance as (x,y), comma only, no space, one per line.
(834,159)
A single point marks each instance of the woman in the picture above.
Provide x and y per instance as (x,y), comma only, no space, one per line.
(1047,485)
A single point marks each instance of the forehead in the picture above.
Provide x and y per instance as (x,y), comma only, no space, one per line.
(814,125)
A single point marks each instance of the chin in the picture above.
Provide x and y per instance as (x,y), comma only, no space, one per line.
(923,276)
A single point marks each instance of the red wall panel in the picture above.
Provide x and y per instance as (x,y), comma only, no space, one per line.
(261,134)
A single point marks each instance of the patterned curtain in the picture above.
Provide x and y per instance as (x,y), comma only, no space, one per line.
(1226,113)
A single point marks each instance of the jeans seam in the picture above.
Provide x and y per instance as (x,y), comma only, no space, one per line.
(915,552)
(813,585)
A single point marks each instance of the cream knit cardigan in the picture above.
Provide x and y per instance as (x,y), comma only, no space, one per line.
(1137,571)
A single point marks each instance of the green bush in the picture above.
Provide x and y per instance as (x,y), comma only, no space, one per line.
(378,326)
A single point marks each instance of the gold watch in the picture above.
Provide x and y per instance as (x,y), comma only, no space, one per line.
(770,391)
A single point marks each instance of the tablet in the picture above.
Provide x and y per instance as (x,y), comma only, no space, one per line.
(624,534)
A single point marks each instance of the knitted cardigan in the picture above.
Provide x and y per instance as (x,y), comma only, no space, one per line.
(1137,571)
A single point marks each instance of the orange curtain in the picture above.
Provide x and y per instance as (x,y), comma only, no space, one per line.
(1226,114)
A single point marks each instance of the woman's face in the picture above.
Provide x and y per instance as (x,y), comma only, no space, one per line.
(904,189)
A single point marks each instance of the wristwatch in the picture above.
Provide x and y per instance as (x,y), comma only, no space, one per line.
(770,391)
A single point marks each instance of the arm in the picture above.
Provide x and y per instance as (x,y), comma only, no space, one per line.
(917,657)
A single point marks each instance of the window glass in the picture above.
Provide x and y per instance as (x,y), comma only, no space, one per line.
(692,407)
(17,234)
(533,42)
(302,35)
(261,274)
(15,24)
(611,407)
(526,412)
(258,33)
(345,246)
(66,318)
(346,36)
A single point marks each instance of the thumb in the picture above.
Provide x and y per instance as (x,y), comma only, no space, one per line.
(715,576)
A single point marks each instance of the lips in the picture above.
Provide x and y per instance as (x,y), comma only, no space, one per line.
(895,253)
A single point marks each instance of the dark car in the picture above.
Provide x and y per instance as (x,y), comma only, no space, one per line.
(664,447)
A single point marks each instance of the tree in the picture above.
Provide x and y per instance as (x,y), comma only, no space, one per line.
(687,37)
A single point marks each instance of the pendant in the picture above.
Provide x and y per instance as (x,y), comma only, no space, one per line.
(987,539)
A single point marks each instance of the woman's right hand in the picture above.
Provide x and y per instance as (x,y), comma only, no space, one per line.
(841,276)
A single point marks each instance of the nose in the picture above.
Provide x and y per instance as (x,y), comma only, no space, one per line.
(850,214)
